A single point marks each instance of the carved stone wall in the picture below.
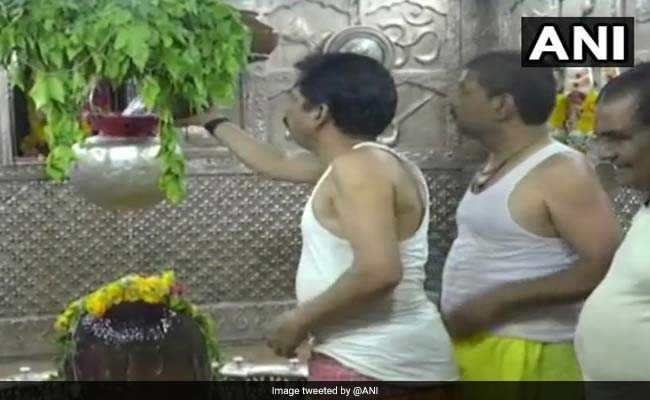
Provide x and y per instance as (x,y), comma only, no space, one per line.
(236,240)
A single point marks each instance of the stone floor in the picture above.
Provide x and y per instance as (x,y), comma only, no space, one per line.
(255,352)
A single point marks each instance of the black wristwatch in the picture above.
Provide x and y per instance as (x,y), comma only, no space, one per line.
(211,125)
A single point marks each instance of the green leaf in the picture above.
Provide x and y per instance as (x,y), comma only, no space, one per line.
(179,33)
(47,87)
(78,81)
(73,51)
(140,58)
(150,91)
(112,70)
(177,167)
(173,180)
(191,6)
(120,16)
(59,163)
(18,75)
(175,190)
(56,57)
(221,11)
(154,41)
(167,40)
(48,25)
(174,63)
(49,136)
(133,40)
(124,70)
(179,305)
(98,60)
(7,43)
(232,66)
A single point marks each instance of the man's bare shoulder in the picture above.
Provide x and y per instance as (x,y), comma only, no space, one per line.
(565,166)
(364,165)
(568,175)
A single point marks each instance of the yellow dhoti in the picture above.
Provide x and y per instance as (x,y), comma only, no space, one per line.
(490,358)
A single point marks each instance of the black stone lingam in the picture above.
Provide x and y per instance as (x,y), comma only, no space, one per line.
(138,342)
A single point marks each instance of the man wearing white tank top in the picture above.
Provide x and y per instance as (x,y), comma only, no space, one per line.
(364,229)
(536,231)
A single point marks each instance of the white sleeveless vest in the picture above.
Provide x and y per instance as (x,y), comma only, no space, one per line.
(404,342)
(492,249)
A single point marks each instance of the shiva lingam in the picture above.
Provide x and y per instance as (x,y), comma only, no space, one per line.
(118,168)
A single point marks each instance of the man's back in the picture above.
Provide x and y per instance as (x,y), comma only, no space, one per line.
(407,190)
(399,336)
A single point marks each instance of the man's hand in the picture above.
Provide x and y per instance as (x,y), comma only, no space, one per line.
(255,153)
(286,333)
(474,317)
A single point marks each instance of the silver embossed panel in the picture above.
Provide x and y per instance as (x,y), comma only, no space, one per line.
(235,239)
(511,11)
(642,28)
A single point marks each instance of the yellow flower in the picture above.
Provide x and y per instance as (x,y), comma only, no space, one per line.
(97,303)
(68,313)
(62,323)
(74,304)
(131,293)
(115,293)
(132,288)
(152,289)
(168,278)
(64,320)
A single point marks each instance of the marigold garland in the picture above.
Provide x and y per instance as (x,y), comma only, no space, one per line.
(156,289)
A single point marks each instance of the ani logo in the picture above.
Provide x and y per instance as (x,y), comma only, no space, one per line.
(577,42)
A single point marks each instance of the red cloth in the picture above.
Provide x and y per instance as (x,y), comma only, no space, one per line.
(324,368)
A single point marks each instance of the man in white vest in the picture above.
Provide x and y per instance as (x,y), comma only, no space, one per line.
(536,231)
(364,228)
(613,334)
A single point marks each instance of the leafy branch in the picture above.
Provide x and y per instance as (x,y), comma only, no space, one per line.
(179,52)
